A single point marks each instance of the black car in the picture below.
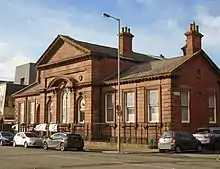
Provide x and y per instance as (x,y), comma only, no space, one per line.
(178,141)
(64,141)
(6,138)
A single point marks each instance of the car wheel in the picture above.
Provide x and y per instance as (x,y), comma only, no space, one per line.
(45,146)
(161,151)
(14,144)
(80,149)
(62,147)
(199,148)
(25,145)
(177,149)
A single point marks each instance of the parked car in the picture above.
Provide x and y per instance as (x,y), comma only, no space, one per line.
(27,139)
(208,136)
(178,141)
(64,141)
(6,138)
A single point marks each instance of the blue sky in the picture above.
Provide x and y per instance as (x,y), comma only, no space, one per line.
(27,27)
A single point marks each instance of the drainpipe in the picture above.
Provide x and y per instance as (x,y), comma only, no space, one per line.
(161,119)
(26,112)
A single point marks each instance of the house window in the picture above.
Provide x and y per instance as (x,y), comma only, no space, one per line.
(130,107)
(212,108)
(185,111)
(64,106)
(32,111)
(49,111)
(109,108)
(21,111)
(81,110)
(22,80)
(153,102)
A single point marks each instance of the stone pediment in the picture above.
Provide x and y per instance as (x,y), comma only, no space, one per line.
(61,49)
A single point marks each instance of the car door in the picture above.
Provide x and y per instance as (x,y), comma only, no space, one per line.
(187,140)
(50,141)
(53,140)
(59,139)
(18,139)
(22,138)
(192,141)
(181,140)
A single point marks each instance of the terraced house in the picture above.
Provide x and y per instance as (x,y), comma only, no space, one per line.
(76,87)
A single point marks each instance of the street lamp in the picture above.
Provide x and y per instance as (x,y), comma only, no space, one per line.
(118,107)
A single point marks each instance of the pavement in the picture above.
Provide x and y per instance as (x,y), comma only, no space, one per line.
(32,158)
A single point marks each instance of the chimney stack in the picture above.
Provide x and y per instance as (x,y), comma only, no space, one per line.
(193,40)
(126,42)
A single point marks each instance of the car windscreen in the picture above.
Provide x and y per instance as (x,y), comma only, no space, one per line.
(167,135)
(73,136)
(202,131)
(216,131)
(7,134)
(31,135)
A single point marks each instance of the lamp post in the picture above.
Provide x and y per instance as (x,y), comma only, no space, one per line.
(118,107)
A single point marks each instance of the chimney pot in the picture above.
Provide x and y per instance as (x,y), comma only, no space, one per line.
(129,31)
(191,27)
(126,29)
(123,29)
(197,28)
(194,26)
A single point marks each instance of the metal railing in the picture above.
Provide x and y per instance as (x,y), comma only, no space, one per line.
(131,133)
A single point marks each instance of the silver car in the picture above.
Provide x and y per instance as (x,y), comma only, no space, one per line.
(27,139)
(209,136)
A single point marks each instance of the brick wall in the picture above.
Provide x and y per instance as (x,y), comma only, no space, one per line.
(199,92)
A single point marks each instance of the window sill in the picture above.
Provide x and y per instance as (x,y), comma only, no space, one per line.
(79,125)
(185,122)
(153,122)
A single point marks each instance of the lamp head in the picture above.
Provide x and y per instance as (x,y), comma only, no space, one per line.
(106,15)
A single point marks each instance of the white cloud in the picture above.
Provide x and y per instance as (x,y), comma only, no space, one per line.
(210,27)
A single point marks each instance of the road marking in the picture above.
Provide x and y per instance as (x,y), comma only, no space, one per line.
(114,162)
(60,156)
(147,165)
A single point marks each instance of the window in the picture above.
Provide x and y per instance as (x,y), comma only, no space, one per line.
(22,80)
(21,111)
(32,111)
(81,110)
(49,111)
(153,102)
(130,107)
(212,108)
(185,112)
(109,107)
(64,106)
(198,73)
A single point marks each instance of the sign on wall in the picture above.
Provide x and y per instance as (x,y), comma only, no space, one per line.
(2,98)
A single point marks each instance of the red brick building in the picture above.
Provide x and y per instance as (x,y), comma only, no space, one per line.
(76,87)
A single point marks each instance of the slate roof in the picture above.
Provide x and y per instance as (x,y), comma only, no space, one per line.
(110,51)
(152,68)
(30,89)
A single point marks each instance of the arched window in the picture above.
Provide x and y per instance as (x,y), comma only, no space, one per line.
(64,106)
(49,111)
(81,110)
